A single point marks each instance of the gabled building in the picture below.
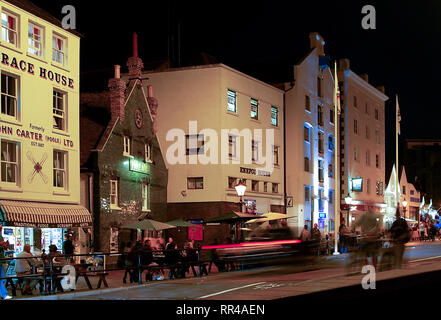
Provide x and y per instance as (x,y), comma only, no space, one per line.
(410,197)
(123,174)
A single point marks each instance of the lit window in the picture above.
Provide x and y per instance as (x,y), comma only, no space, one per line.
(195,183)
(330,172)
(254,109)
(9,28)
(377,161)
(145,196)
(232,101)
(308,103)
(321,177)
(35,40)
(274,116)
(254,185)
(59,110)
(331,143)
(114,193)
(60,172)
(194,144)
(320,142)
(59,50)
(9,87)
(275,188)
(9,161)
(148,152)
(127,145)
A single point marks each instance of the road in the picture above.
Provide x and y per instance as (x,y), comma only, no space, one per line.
(266,283)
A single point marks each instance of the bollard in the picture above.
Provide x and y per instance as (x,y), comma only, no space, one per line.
(139,269)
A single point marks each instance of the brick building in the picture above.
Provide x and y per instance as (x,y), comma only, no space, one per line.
(123,175)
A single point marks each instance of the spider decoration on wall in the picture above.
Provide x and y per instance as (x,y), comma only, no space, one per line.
(38,167)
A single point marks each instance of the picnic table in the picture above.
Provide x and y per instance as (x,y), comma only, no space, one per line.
(82,270)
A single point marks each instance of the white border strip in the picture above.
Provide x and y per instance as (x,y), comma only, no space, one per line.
(218,293)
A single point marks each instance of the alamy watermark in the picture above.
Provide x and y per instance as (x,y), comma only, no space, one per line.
(369,280)
(69,20)
(369,20)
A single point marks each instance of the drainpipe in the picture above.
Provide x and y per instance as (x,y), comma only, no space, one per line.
(284,145)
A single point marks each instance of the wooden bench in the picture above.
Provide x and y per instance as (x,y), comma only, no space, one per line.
(41,278)
(100,274)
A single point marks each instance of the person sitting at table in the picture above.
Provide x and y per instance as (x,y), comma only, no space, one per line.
(172,257)
(25,266)
(171,244)
(146,257)
(55,255)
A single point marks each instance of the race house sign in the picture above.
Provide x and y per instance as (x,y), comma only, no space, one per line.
(255,172)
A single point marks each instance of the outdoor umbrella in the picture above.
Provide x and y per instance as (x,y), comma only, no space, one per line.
(231,217)
(148,224)
(271,216)
(180,223)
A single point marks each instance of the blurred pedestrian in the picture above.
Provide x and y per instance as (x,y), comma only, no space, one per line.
(305,235)
(422,228)
(401,235)
(370,225)
(4,245)
(344,237)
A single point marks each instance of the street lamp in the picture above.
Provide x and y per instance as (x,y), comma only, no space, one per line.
(404,208)
(348,201)
(241,187)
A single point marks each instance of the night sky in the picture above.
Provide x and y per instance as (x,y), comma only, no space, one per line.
(266,38)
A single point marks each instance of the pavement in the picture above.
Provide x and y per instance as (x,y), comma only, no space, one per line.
(260,286)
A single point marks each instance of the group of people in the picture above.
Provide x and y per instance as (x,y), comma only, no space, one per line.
(425,230)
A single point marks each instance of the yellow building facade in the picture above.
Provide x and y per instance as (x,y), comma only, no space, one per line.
(39,122)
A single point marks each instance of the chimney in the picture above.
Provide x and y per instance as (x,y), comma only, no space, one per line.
(134,63)
(344,64)
(117,87)
(316,41)
(153,105)
(381,88)
(365,77)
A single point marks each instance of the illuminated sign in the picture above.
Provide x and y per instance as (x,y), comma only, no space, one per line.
(322,215)
(357,184)
(138,166)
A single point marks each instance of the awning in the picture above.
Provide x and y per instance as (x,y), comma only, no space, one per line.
(43,215)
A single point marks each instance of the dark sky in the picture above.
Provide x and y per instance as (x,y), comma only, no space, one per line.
(265,38)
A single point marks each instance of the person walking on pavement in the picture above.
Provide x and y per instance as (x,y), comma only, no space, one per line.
(305,235)
(401,235)
(422,231)
(316,237)
(4,245)
(343,232)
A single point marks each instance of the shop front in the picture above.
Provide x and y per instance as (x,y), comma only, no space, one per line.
(40,224)
(352,211)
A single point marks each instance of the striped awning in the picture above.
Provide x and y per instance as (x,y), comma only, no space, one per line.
(43,215)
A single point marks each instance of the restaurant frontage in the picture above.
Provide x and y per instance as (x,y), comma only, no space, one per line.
(41,224)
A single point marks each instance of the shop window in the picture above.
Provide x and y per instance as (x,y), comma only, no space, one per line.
(195,183)
(35,40)
(59,49)
(60,172)
(9,92)
(9,162)
(10,28)
(59,110)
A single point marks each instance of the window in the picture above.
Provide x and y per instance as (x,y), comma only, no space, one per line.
(254,109)
(306,164)
(59,50)
(231,106)
(254,185)
(9,162)
(255,151)
(321,176)
(330,172)
(60,172)
(114,193)
(59,110)
(265,187)
(412,192)
(355,102)
(9,87)
(127,146)
(376,114)
(355,126)
(367,132)
(148,152)
(356,153)
(331,143)
(195,183)
(321,200)
(276,155)
(194,144)
(320,142)
(331,197)
(319,87)
(368,186)
(368,158)
(331,115)
(274,116)
(306,133)
(320,115)
(307,103)
(9,28)
(232,146)
(145,196)
(307,193)
(377,136)
(404,189)
(35,40)
(377,161)
(275,188)
(231,182)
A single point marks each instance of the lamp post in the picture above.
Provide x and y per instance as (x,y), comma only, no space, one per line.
(241,187)
(348,201)
(404,208)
